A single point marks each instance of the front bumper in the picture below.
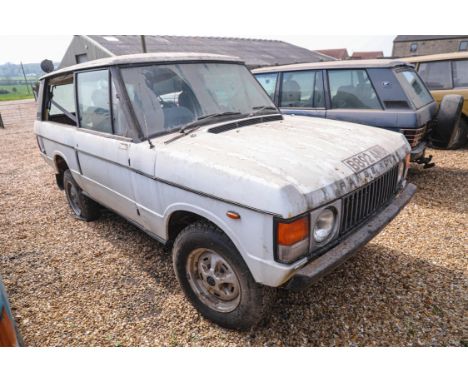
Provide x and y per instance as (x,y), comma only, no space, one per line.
(323,265)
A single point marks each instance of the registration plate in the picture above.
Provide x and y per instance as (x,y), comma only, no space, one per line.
(365,159)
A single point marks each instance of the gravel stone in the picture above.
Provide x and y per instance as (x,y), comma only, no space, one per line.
(105,283)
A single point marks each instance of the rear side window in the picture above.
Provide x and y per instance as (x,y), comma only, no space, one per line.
(93,101)
(352,89)
(436,75)
(268,82)
(60,100)
(302,89)
(460,73)
(414,88)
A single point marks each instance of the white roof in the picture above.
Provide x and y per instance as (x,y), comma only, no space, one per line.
(348,64)
(145,58)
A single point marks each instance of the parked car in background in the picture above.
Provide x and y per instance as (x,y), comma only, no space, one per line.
(447,74)
(384,93)
(8,331)
(191,149)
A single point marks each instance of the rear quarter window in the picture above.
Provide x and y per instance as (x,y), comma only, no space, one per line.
(414,88)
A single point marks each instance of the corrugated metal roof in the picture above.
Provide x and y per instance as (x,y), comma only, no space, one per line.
(407,38)
(254,52)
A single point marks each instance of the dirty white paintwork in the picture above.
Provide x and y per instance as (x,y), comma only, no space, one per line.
(279,168)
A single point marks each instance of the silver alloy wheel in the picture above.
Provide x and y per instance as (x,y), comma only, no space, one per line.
(74,198)
(213,280)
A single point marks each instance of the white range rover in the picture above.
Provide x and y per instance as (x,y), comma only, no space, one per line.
(191,149)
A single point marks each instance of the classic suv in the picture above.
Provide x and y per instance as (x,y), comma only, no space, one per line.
(382,93)
(190,148)
(447,74)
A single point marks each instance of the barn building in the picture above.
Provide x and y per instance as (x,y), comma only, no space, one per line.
(254,52)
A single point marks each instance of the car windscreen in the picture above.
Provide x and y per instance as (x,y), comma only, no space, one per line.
(168,97)
(414,87)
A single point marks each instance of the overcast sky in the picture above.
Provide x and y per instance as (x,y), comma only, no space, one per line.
(29,49)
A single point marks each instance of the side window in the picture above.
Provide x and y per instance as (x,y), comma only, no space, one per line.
(352,89)
(302,89)
(268,82)
(93,101)
(436,75)
(60,100)
(460,73)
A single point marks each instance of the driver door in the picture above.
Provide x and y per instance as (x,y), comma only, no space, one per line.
(102,154)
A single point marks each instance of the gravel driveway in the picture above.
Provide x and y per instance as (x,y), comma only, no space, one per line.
(106,283)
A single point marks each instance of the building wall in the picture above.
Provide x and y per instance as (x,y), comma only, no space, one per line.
(81,47)
(402,49)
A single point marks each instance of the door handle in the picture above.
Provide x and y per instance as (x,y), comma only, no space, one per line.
(123,146)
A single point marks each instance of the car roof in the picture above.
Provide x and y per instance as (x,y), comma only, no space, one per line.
(149,58)
(348,64)
(437,57)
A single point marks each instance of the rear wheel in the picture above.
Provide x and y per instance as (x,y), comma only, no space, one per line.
(215,278)
(83,207)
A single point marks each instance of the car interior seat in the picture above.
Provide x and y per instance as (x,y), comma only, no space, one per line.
(345,99)
(291,94)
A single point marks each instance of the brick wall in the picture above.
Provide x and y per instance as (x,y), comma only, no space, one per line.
(18,112)
(402,49)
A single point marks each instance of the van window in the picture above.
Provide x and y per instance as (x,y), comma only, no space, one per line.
(460,73)
(60,100)
(436,75)
(93,101)
(268,82)
(352,89)
(303,89)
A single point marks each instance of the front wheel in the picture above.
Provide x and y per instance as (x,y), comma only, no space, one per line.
(215,278)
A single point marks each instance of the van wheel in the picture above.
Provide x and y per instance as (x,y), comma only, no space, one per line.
(83,207)
(451,130)
(215,278)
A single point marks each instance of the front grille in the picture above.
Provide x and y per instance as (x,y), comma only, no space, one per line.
(414,136)
(363,202)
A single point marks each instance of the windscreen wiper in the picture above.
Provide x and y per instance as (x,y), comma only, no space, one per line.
(200,121)
(259,109)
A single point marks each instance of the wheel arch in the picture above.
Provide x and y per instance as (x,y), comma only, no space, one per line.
(180,216)
(60,165)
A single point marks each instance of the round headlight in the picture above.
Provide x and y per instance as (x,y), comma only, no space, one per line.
(401,170)
(324,225)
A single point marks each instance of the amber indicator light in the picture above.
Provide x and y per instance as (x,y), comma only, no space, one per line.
(233,215)
(291,233)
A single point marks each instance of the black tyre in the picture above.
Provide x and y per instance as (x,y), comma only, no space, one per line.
(83,207)
(450,130)
(215,278)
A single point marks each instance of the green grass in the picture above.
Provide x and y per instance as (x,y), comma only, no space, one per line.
(21,93)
